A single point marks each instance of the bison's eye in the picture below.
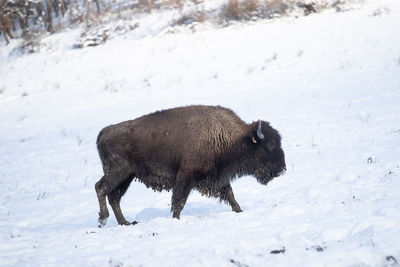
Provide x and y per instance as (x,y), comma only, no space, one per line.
(271,145)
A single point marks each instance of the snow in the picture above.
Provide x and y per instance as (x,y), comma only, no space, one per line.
(329,82)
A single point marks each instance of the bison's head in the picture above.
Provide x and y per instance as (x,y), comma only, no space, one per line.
(269,161)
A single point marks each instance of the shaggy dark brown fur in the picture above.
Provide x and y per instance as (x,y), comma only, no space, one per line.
(180,149)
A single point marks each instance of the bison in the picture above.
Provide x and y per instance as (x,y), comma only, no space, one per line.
(185,148)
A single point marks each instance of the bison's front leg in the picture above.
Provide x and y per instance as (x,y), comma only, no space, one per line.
(226,194)
(180,194)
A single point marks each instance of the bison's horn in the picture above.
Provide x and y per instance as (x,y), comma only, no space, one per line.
(259,133)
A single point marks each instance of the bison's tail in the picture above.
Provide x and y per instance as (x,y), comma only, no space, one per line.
(98,137)
(102,149)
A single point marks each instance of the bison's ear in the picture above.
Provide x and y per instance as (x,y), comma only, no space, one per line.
(253,137)
(256,135)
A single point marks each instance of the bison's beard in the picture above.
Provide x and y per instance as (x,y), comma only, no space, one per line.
(263,176)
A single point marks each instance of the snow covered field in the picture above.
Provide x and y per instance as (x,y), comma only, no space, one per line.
(329,82)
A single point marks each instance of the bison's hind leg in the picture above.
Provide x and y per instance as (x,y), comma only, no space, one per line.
(102,189)
(114,189)
(114,198)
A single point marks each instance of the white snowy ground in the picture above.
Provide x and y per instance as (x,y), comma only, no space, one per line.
(329,82)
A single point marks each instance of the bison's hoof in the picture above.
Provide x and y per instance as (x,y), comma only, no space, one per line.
(102,222)
(237,210)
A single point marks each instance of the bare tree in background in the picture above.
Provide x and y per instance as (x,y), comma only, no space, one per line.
(17,17)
